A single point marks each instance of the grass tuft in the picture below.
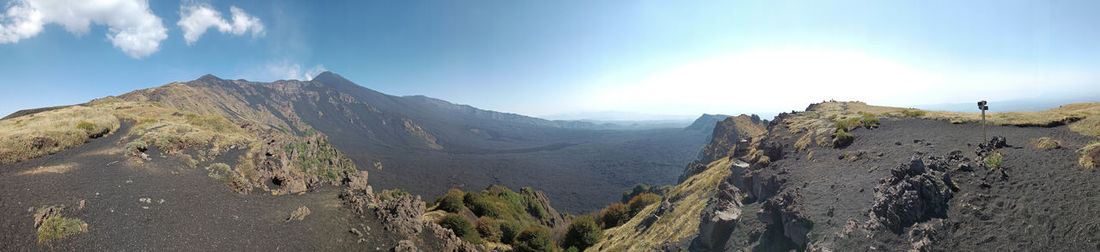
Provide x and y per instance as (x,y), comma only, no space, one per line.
(994,161)
(1046,143)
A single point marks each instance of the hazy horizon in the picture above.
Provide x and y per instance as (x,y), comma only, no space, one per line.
(547,59)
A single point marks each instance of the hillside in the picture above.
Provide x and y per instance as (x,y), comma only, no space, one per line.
(260,152)
(907,179)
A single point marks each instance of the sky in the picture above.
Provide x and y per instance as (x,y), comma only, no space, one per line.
(566,58)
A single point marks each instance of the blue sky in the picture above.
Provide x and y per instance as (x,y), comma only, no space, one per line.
(548,58)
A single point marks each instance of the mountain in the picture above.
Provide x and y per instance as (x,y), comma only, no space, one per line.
(416,143)
(847,176)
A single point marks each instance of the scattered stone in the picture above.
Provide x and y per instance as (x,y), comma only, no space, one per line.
(356,232)
(145,200)
(45,213)
(80,205)
(299,214)
(161,201)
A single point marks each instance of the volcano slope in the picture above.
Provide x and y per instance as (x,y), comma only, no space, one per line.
(428,146)
(249,154)
(908,180)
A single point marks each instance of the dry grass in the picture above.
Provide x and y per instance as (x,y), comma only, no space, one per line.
(1046,143)
(1089,154)
(58,168)
(49,132)
(681,222)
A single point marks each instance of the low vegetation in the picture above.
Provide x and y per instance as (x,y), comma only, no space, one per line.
(534,239)
(614,215)
(53,226)
(461,227)
(1089,155)
(842,139)
(390,194)
(1046,143)
(49,132)
(689,199)
(641,201)
(993,161)
(582,233)
(501,214)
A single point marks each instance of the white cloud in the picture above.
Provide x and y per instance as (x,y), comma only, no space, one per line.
(132,27)
(196,19)
(284,70)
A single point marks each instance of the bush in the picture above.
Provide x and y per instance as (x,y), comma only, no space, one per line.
(614,215)
(488,229)
(993,161)
(533,239)
(842,139)
(912,113)
(57,227)
(582,233)
(508,231)
(480,205)
(870,122)
(136,146)
(451,202)
(460,227)
(641,201)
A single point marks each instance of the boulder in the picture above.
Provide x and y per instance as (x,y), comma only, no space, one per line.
(910,195)
(719,218)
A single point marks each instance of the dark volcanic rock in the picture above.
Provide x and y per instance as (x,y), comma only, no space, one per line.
(912,194)
(719,218)
(401,214)
(782,216)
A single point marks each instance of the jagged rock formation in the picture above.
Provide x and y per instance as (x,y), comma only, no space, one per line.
(809,195)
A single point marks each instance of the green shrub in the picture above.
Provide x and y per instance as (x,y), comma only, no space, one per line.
(451,202)
(582,233)
(86,126)
(642,201)
(480,205)
(912,113)
(460,227)
(614,215)
(509,230)
(842,139)
(870,122)
(533,239)
(136,146)
(488,229)
(57,227)
(535,209)
(994,161)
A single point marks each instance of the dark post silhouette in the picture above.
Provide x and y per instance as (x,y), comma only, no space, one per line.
(983,107)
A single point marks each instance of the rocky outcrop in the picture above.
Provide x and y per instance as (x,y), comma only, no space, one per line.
(719,218)
(401,214)
(912,194)
(783,216)
(732,137)
(448,241)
